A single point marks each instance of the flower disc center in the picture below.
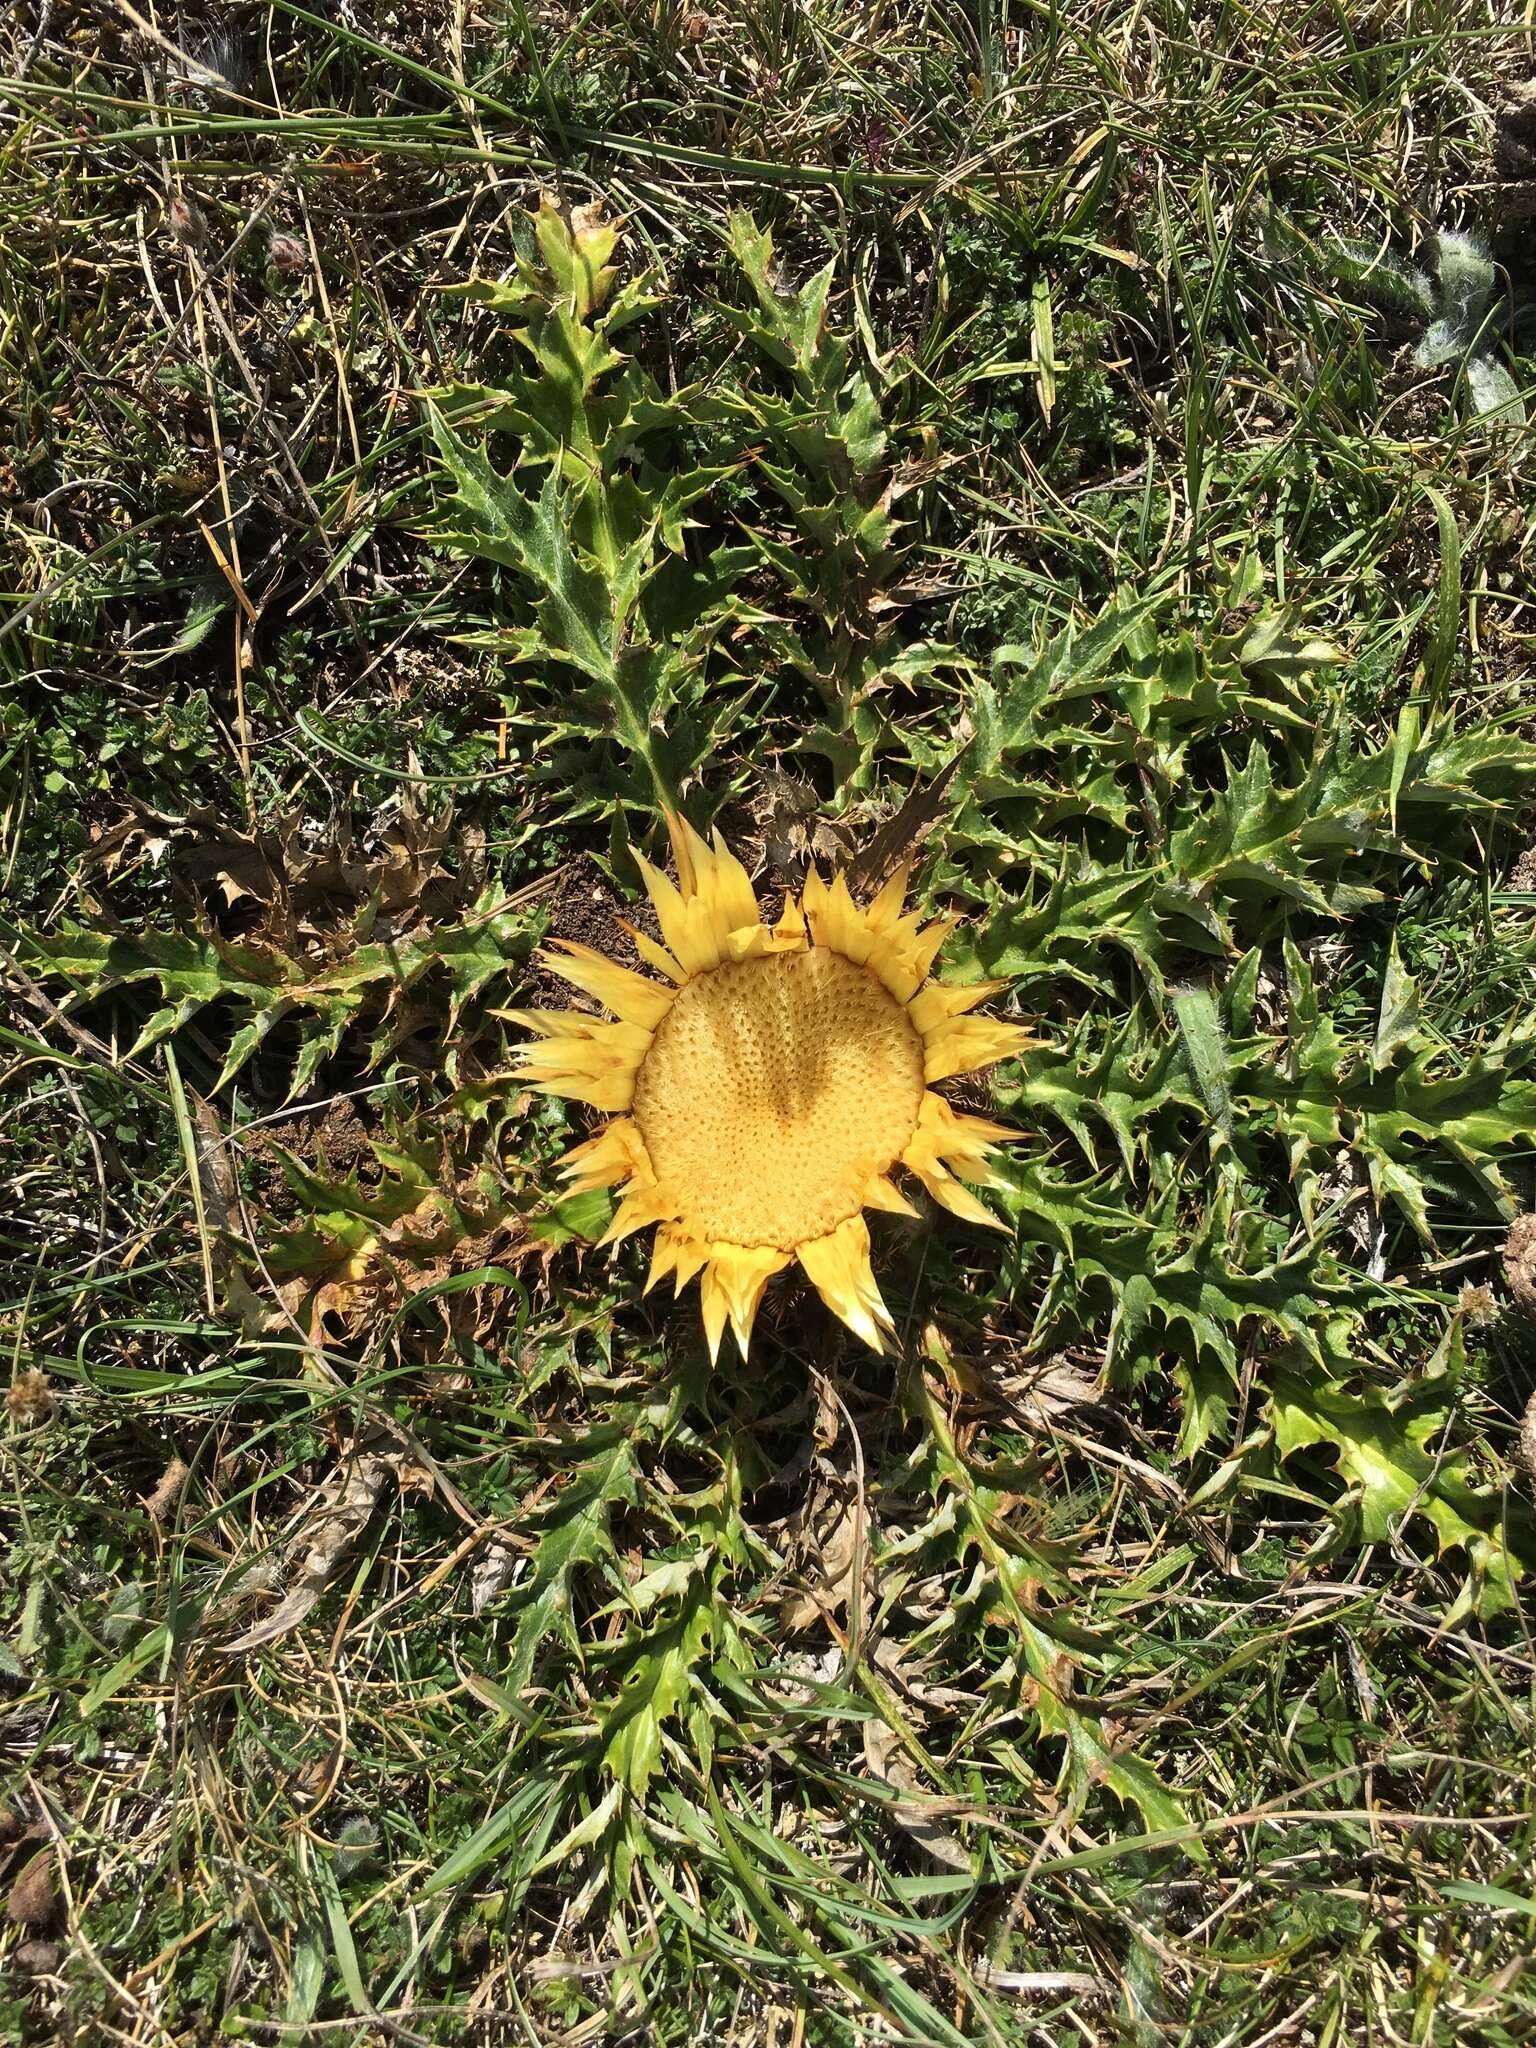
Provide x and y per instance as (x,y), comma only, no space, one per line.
(774,1091)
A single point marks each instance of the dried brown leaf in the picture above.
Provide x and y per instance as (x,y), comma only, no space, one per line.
(332,1526)
(902,833)
(1040,1390)
(919,1816)
(160,1504)
(216,1175)
(492,1574)
(456,1230)
(280,886)
(825,1545)
(891,1659)
(29,1399)
(794,834)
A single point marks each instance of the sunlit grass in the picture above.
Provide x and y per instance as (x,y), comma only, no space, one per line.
(405,1634)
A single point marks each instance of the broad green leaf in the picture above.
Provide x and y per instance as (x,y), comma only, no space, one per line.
(659,1679)
(1274,646)
(577,252)
(573,1532)
(580,618)
(1397,1023)
(1006,710)
(1382,276)
(1494,392)
(1205,1050)
(1119,1078)
(1397,1463)
(1017,1567)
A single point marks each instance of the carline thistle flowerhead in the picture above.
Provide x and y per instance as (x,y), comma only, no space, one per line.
(761,1094)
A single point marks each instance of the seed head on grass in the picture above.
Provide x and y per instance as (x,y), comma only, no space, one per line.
(1520,1262)
(286,253)
(29,1399)
(186,223)
(761,1095)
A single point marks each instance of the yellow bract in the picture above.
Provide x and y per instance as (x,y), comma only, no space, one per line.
(760,1096)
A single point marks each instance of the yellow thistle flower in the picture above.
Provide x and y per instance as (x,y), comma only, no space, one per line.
(761,1094)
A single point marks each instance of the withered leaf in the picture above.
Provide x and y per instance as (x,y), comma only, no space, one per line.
(492,1573)
(787,814)
(331,1528)
(902,833)
(919,1816)
(826,1546)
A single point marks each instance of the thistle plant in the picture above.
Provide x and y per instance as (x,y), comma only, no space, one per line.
(1218,1178)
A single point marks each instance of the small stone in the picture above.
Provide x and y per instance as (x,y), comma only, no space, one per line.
(33,1895)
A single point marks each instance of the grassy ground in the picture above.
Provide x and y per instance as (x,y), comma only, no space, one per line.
(1072,441)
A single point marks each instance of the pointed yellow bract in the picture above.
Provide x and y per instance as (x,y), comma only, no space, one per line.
(762,1094)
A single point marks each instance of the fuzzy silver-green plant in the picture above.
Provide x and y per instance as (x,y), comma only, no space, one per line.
(1458,298)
